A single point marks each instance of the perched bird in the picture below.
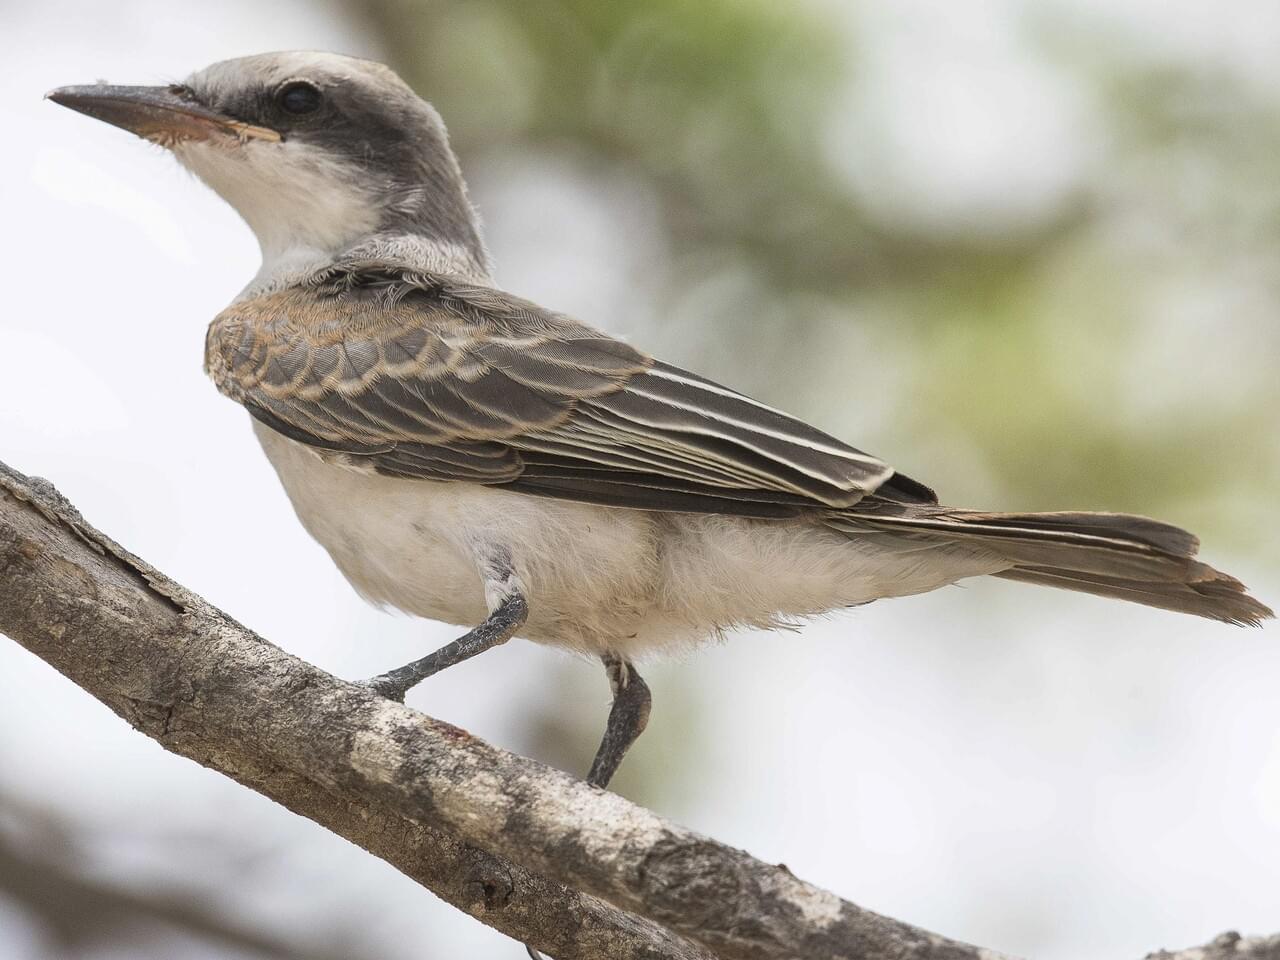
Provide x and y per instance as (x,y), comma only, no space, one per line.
(472,457)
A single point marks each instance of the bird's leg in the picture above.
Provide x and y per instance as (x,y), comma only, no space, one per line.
(498,628)
(627,719)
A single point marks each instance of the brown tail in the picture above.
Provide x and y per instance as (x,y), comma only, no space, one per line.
(1108,554)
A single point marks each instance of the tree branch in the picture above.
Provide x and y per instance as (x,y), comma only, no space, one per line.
(144,646)
(575,871)
(1226,946)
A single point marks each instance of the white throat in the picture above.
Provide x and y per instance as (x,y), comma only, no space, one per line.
(304,207)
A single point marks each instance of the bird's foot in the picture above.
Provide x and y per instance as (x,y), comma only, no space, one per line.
(388,685)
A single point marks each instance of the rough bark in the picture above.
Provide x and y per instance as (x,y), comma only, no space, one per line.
(1226,946)
(158,655)
(575,871)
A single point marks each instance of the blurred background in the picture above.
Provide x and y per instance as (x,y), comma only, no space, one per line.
(1026,250)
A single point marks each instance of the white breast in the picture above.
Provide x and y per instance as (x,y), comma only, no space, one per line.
(597,579)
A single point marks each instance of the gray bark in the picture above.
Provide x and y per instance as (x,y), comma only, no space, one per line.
(1226,946)
(572,870)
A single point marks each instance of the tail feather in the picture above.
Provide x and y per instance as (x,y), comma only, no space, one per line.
(1220,598)
(1107,554)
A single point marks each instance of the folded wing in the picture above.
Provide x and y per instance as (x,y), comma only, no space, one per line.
(421,376)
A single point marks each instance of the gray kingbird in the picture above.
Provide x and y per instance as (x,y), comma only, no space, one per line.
(472,457)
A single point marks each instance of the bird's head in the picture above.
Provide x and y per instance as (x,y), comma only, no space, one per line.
(318,153)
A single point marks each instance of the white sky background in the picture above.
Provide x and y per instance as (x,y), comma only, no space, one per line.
(1036,772)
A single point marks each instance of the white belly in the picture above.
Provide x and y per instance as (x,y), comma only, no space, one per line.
(588,572)
(596,579)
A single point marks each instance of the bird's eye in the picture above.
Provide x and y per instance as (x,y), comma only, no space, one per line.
(299,98)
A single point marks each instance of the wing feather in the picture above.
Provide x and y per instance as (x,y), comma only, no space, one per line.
(422,376)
